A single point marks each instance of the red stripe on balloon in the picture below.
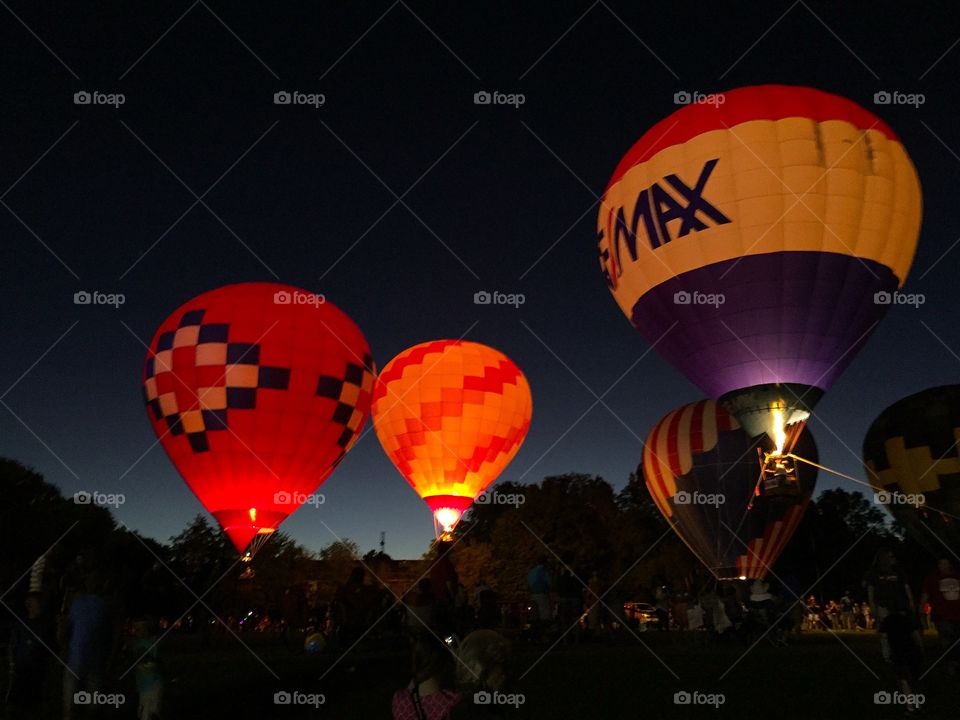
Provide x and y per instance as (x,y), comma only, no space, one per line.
(759,102)
(414,357)
(657,479)
(696,428)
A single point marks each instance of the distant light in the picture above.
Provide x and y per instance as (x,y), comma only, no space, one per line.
(743,577)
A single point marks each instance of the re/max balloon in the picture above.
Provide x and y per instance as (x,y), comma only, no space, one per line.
(757,238)
(451,415)
(703,473)
(913,462)
(256,391)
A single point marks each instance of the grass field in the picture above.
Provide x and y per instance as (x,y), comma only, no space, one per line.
(817,676)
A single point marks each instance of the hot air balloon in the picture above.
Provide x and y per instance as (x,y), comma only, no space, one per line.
(256,391)
(451,415)
(913,462)
(705,474)
(756,239)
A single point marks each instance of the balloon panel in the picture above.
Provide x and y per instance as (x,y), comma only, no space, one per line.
(451,415)
(702,471)
(756,240)
(256,400)
(911,450)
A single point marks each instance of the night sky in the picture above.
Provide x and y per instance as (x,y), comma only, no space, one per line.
(399,199)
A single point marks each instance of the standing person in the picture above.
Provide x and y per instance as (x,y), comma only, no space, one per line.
(594,604)
(783,618)
(679,604)
(812,620)
(926,610)
(942,590)
(538,583)
(833,614)
(695,616)
(481,671)
(791,606)
(905,656)
(761,600)
(733,607)
(29,655)
(419,604)
(859,621)
(846,611)
(149,679)
(429,694)
(718,618)
(350,607)
(889,594)
(662,602)
(488,606)
(463,611)
(444,581)
(88,631)
(569,604)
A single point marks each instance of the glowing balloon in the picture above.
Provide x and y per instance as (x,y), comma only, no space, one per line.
(315,643)
(912,459)
(256,391)
(703,472)
(451,415)
(756,239)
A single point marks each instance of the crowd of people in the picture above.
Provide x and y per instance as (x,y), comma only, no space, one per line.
(99,647)
(454,633)
(843,614)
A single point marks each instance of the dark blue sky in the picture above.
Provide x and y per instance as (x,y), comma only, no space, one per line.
(502,199)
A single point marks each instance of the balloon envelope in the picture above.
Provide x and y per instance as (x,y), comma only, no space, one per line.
(451,415)
(912,460)
(702,470)
(756,239)
(256,391)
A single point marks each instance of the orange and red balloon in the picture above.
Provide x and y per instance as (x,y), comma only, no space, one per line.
(451,415)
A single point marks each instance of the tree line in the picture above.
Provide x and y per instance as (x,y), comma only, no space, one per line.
(574,520)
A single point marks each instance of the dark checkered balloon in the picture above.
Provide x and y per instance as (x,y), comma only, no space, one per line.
(912,457)
(256,392)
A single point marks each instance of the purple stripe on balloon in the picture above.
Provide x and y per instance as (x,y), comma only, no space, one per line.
(794,317)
